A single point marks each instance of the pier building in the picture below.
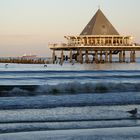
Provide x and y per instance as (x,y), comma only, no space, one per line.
(98,43)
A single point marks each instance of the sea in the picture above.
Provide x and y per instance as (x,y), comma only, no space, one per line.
(69,101)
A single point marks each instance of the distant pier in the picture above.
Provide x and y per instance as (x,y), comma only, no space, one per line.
(99,40)
(20,60)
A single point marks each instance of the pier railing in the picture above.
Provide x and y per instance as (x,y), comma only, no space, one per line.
(63,46)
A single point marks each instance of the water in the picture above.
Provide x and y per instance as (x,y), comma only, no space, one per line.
(93,97)
(69,79)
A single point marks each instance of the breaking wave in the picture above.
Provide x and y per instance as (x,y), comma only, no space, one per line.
(68,88)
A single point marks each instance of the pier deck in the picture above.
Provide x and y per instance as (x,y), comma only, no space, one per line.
(95,48)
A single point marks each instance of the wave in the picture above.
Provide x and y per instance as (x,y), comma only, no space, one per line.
(69,78)
(65,125)
(68,88)
(70,71)
(76,87)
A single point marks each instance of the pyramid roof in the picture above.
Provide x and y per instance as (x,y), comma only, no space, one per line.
(99,25)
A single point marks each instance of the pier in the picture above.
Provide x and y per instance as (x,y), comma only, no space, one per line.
(99,42)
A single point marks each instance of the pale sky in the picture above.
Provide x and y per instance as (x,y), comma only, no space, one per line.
(27,26)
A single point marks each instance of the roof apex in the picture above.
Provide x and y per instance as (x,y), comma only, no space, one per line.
(99,25)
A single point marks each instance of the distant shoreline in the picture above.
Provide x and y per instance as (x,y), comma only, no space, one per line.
(21,60)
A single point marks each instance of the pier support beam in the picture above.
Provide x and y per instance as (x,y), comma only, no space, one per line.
(62,57)
(120,57)
(70,56)
(101,57)
(96,56)
(106,56)
(134,56)
(110,56)
(123,56)
(53,56)
(80,57)
(131,57)
(87,59)
(77,56)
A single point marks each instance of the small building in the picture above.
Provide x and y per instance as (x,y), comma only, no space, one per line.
(98,39)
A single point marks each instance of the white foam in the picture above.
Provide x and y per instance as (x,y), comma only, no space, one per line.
(76,87)
(129,133)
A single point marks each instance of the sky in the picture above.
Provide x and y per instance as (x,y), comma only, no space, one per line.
(27,26)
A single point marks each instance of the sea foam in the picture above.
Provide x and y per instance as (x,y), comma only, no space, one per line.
(69,88)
